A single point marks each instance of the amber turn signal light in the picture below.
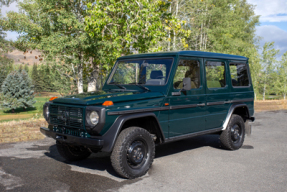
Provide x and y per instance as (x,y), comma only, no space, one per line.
(108,103)
(166,104)
(52,98)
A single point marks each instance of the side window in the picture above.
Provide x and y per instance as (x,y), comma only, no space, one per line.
(185,69)
(239,74)
(215,74)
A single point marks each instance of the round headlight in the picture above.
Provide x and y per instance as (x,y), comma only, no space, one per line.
(46,112)
(94,117)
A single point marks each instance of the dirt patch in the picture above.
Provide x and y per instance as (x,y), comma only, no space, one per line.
(25,130)
(48,94)
(15,116)
(270,105)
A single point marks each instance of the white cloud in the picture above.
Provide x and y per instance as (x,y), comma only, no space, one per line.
(272,33)
(274,18)
(270,11)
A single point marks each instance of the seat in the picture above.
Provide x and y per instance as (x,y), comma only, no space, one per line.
(191,74)
(156,78)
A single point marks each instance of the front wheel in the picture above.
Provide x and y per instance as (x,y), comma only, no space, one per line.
(232,137)
(133,152)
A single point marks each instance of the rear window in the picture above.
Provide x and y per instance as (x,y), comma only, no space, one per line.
(239,74)
(215,74)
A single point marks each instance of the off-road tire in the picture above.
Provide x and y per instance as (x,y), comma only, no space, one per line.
(229,135)
(72,153)
(125,149)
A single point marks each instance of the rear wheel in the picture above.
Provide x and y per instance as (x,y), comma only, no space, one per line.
(133,152)
(232,137)
(72,153)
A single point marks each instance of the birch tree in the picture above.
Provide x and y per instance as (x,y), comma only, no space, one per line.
(282,76)
(268,62)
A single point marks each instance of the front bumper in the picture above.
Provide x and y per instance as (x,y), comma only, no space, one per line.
(89,142)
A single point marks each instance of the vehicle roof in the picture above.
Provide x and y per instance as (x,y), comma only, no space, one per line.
(187,53)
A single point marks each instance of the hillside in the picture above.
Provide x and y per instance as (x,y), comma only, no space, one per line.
(29,57)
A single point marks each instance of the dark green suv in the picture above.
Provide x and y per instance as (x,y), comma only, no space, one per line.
(152,99)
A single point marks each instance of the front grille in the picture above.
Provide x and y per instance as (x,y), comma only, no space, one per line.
(66,116)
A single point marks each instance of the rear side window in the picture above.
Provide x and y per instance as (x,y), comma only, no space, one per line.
(239,74)
(215,74)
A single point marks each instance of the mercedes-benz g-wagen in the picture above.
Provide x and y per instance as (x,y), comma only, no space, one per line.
(152,99)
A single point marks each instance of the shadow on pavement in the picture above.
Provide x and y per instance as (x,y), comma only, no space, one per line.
(188,144)
(97,161)
(101,161)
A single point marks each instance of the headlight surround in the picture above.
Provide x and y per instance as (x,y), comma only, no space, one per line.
(94,118)
(95,121)
(46,112)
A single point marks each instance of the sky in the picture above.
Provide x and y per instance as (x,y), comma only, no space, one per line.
(273,22)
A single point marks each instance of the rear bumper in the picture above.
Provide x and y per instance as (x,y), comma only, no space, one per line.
(248,127)
(97,143)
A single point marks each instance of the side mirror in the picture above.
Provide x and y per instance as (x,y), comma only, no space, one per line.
(186,84)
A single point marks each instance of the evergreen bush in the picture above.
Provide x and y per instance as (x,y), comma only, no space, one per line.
(17,91)
(6,66)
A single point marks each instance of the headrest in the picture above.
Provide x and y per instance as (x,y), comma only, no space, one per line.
(156,74)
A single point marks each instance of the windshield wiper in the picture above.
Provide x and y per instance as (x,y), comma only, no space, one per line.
(120,86)
(141,86)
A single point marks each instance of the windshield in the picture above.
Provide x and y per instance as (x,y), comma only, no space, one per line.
(141,71)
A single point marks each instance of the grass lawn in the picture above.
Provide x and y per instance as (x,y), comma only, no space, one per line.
(20,114)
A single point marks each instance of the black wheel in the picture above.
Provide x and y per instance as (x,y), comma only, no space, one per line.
(232,137)
(133,152)
(72,153)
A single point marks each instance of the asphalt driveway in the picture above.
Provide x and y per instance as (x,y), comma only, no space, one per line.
(197,164)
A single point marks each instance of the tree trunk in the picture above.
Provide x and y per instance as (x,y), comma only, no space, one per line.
(284,96)
(174,35)
(92,84)
(80,80)
(12,110)
(264,89)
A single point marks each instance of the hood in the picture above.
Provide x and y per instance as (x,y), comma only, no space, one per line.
(99,97)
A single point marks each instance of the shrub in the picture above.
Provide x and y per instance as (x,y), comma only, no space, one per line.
(17,91)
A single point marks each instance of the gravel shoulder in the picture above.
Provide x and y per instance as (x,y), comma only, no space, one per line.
(197,164)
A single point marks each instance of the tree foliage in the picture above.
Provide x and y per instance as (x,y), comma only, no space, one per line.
(57,29)
(126,27)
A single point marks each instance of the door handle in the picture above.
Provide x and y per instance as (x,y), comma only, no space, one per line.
(201,104)
(226,102)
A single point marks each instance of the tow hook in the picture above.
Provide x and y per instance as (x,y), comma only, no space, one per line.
(58,137)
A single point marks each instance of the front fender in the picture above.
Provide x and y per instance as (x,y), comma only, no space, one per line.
(111,135)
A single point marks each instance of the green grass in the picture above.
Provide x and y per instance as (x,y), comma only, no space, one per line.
(20,114)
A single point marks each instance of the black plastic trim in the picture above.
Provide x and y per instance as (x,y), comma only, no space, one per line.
(242,100)
(176,138)
(138,111)
(155,109)
(89,142)
(231,101)
(183,106)
(215,103)
(111,135)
